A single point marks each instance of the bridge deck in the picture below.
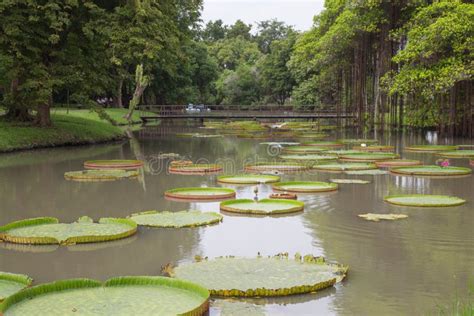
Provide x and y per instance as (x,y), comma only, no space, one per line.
(244,116)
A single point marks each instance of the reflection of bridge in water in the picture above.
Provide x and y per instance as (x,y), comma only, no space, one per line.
(158,112)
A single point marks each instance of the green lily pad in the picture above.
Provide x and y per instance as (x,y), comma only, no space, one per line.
(350,141)
(303,149)
(430,148)
(312,135)
(280,166)
(372,172)
(339,167)
(340,152)
(432,171)
(374,148)
(457,154)
(349,181)
(198,135)
(48,230)
(424,200)
(261,276)
(378,217)
(11,283)
(117,296)
(306,158)
(326,144)
(280,143)
(113,164)
(195,168)
(175,219)
(201,193)
(369,157)
(99,175)
(397,163)
(262,207)
(248,179)
(305,187)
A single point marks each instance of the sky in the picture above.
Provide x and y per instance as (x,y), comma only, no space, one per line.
(298,13)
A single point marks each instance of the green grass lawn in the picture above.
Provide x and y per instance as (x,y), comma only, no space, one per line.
(115,114)
(66,130)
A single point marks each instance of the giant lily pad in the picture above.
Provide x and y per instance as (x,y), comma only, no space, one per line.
(261,276)
(397,163)
(117,296)
(48,230)
(280,143)
(99,175)
(339,167)
(11,283)
(369,157)
(431,171)
(374,148)
(358,141)
(248,179)
(201,193)
(424,200)
(113,164)
(312,135)
(430,148)
(195,168)
(281,166)
(309,158)
(303,149)
(372,172)
(349,181)
(457,154)
(198,135)
(262,207)
(175,219)
(305,187)
(387,217)
(341,152)
(326,144)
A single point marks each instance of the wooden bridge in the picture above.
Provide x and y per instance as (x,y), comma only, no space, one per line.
(159,112)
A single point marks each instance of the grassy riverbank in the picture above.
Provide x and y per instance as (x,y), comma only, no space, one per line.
(116,114)
(66,130)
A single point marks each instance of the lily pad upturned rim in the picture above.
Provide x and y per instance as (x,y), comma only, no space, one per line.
(398,163)
(293,206)
(450,200)
(212,218)
(252,179)
(224,193)
(323,186)
(375,148)
(22,280)
(76,284)
(113,164)
(431,170)
(195,168)
(279,166)
(339,271)
(368,157)
(430,148)
(457,154)
(46,240)
(338,167)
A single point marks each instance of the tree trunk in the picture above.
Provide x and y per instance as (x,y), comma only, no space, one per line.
(43,115)
(16,111)
(118,103)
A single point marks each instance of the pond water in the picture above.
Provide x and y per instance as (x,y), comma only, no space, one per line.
(402,267)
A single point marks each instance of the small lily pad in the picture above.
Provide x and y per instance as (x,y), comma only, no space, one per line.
(431,171)
(99,175)
(279,166)
(339,167)
(424,200)
(198,135)
(373,172)
(305,186)
(457,154)
(11,283)
(175,219)
(303,149)
(261,276)
(248,179)
(378,217)
(203,193)
(369,157)
(195,168)
(48,230)
(280,143)
(349,181)
(430,148)
(262,207)
(374,148)
(113,164)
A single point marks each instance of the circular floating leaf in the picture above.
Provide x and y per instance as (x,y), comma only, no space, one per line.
(372,172)
(303,149)
(325,144)
(280,143)
(117,296)
(275,167)
(424,200)
(248,179)
(339,167)
(11,283)
(198,135)
(397,163)
(358,141)
(200,193)
(180,163)
(195,168)
(312,135)
(99,175)
(371,157)
(306,158)
(430,148)
(343,152)
(378,217)
(432,171)
(349,181)
(374,148)
(305,187)
(48,230)
(113,164)
(175,219)
(270,276)
(457,154)
(262,207)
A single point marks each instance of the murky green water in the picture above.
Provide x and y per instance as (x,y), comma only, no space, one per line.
(406,267)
